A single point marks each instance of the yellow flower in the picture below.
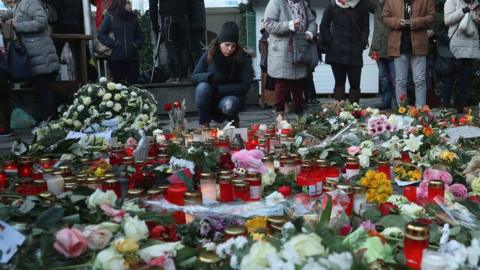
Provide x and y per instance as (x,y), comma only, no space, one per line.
(99,172)
(364,181)
(447,156)
(374,183)
(370,174)
(417,175)
(126,245)
(254,224)
(258,236)
(369,197)
(381,176)
(402,110)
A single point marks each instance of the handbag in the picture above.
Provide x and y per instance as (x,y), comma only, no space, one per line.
(445,62)
(17,60)
(102,50)
(303,51)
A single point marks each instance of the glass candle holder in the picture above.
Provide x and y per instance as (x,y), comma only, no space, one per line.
(116,154)
(415,241)
(255,190)
(92,182)
(9,167)
(192,198)
(306,181)
(384,166)
(45,163)
(208,187)
(25,167)
(56,183)
(40,185)
(3,180)
(436,188)
(433,260)
(347,189)
(175,194)
(129,149)
(223,144)
(25,187)
(241,191)
(226,188)
(152,147)
(359,199)
(352,168)
(410,192)
(114,185)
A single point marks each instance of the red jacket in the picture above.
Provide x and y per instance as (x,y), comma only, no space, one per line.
(101,6)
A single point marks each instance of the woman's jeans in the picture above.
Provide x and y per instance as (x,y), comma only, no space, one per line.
(386,72)
(212,107)
(463,77)
(418,64)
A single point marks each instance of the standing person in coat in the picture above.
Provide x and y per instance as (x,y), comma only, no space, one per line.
(464,46)
(408,21)
(378,52)
(222,78)
(30,20)
(345,29)
(282,18)
(128,39)
(198,29)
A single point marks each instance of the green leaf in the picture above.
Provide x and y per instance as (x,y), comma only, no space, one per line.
(394,221)
(373,214)
(50,218)
(325,218)
(48,253)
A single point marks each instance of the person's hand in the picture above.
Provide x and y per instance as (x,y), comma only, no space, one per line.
(296,24)
(404,24)
(466,10)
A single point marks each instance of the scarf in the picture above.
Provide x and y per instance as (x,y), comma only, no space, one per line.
(297,11)
(227,66)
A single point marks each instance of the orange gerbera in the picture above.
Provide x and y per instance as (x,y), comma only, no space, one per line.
(425,109)
(427,131)
(412,111)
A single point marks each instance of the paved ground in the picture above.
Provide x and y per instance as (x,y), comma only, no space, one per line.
(250,116)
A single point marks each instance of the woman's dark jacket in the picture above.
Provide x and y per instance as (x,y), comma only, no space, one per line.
(128,38)
(345,42)
(238,86)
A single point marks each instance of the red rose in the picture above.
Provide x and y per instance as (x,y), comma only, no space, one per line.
(357,114)
(474,198)
(167,107)
(157,232)
(403,97)
(387,208)
(345,230)
(176,104)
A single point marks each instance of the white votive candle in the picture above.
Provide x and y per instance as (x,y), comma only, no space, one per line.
(432,260)
(209,191)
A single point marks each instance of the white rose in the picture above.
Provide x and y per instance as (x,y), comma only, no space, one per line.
(109,104)
(107,96)
(112,227)
(117,97)
(89,89)
(99,197)
(55,126)
(111,86)
(87,101)
(138,125)
(97,237)
(257,258)
(109,259)
(101,93)
(133,94)
(157,132)
(80,108)
(77,124)
(144,117)
(103,80)
(146,107)
(117,107)
(364,160)
(306,245)
(135,228)
(119,86)
(158,250)
(124,94)
(68,122)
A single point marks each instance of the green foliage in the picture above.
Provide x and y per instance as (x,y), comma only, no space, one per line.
(243,9)
(282,180)
(146,52)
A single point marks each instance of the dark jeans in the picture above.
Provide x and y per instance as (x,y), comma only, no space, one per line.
(45,100)
(340,72)
(211,107)
(124,72)
(175,30)
(283,90)
(5,103)
(464,79)
(309,89)
(386,72)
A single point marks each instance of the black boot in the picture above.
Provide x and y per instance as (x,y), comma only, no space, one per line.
(339,93)
(354,96)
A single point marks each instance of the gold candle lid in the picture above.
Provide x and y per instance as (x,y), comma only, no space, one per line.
(57,173)
(82,175)
(39,182)
(225,178)
(117,148)
(436,184)
(151,140)
(359,189)
(277,219)
(383,162)
(135,192)
(306,166)
(25,159)
(267,159)
(163,188)
(352,160)
(193,197)
(239,183)
(9,162)
(205,175)
(225,173)
(127,160)
(235,230)
(65,168)
(321,162)
(69,179)
(109,175)
(47,195)
(44,160)
(111,182)
(209,257)
(92,179)
(417,231)
(154,192)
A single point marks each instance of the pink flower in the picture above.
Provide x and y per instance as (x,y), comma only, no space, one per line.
(422,190)
(368,225)
(458,191)
(97,237)
(353,150)
(117,215)
(380,129)
(164,262)
(131,141)
(70,242)
(434,174)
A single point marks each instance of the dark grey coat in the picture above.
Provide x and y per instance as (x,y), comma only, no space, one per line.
(345,42)
(31,24)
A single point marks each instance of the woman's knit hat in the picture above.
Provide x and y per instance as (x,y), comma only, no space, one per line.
(229,33)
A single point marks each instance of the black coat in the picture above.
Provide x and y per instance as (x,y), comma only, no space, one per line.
(345,42)
(128,38)
(69,16)
(203,72)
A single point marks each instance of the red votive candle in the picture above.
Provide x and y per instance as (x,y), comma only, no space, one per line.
(25,168)
(347,188)
(241,191)
(436,188)
(129,150)
(3,180)
(255,184)
(384,166)
(416,239)
(406,157)
(285,190)
(226,189)
(410,192)
(175,195)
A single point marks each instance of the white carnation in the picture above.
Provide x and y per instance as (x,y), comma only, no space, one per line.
(111,86)
(117,97)
(107,96)
(117,107)
(101,93)
(80,108)
(109,104)
(86,101)
(103,80)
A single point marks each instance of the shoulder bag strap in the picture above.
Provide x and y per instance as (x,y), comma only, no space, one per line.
(357,27)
